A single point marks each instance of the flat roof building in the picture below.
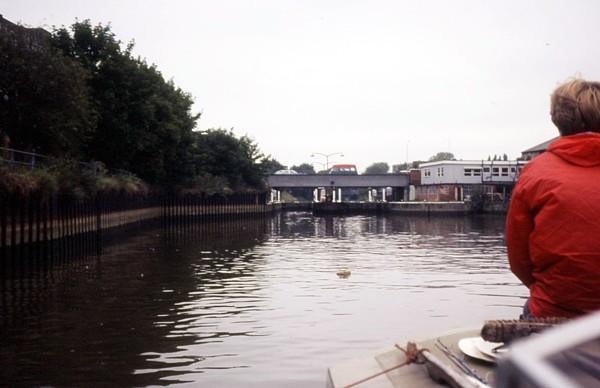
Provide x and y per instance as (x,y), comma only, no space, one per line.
(470,171)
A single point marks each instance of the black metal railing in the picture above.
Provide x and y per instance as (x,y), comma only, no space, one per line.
(17,158)
(38,231)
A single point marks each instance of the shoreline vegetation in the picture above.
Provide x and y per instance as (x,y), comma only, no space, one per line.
(78,93)
(69,180)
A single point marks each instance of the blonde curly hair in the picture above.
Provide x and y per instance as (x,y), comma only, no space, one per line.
(575,107)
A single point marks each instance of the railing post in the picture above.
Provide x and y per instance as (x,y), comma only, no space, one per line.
(98,210)
(45,245)
(3,234)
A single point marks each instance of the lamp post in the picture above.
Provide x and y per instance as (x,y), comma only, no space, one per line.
(326,156)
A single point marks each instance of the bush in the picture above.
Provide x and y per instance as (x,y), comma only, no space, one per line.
(68,179)
(16,181)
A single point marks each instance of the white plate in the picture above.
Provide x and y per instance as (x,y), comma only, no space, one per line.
(491,349)
(468,346)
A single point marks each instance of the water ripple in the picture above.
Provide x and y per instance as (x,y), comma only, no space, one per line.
(260,304)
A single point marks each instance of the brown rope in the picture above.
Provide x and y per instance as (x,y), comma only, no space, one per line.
(413,356)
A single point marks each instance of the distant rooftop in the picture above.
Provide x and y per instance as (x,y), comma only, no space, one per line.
(469,162)
(540,147)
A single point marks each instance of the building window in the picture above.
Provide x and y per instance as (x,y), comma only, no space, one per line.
(504,171)
(440,171)
(486,169)
(472,171)
(495,171)
(512,169)
(427,172)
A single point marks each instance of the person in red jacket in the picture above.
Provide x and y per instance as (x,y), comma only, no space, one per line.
(553,222)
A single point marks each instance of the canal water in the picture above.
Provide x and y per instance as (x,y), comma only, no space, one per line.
(253,303)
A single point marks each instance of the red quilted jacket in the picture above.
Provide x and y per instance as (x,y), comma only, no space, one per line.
(553,228)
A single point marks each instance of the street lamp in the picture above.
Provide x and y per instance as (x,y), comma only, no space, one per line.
(326,156)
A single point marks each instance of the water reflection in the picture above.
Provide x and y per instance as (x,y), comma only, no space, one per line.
(258,303)
(104,320)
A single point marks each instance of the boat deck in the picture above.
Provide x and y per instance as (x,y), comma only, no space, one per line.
(351,372)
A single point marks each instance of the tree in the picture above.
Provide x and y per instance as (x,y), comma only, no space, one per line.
(218,153)
(77,92)
(396,168)
(44,96)
(442,156)
(269,165)
(377,168)
(144,123)
(304,168)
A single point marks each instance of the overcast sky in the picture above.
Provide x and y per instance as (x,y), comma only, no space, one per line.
(377,80)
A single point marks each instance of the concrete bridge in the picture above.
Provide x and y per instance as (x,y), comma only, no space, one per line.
(334,187)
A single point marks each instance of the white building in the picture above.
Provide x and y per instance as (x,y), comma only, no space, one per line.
(470,171)
(456,180)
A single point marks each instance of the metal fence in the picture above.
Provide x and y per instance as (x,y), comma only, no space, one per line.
(38,231)
(17,158)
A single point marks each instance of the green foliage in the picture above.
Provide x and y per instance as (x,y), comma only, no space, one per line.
(396,168)
(16,181)
(219,153)
(497,157)
(46,182)
(77,93)
(44,102)
(121,183)
(269,165)
(67,178)
(209,184)
(150,117)
(442,156)
(304,168)
(378,168)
